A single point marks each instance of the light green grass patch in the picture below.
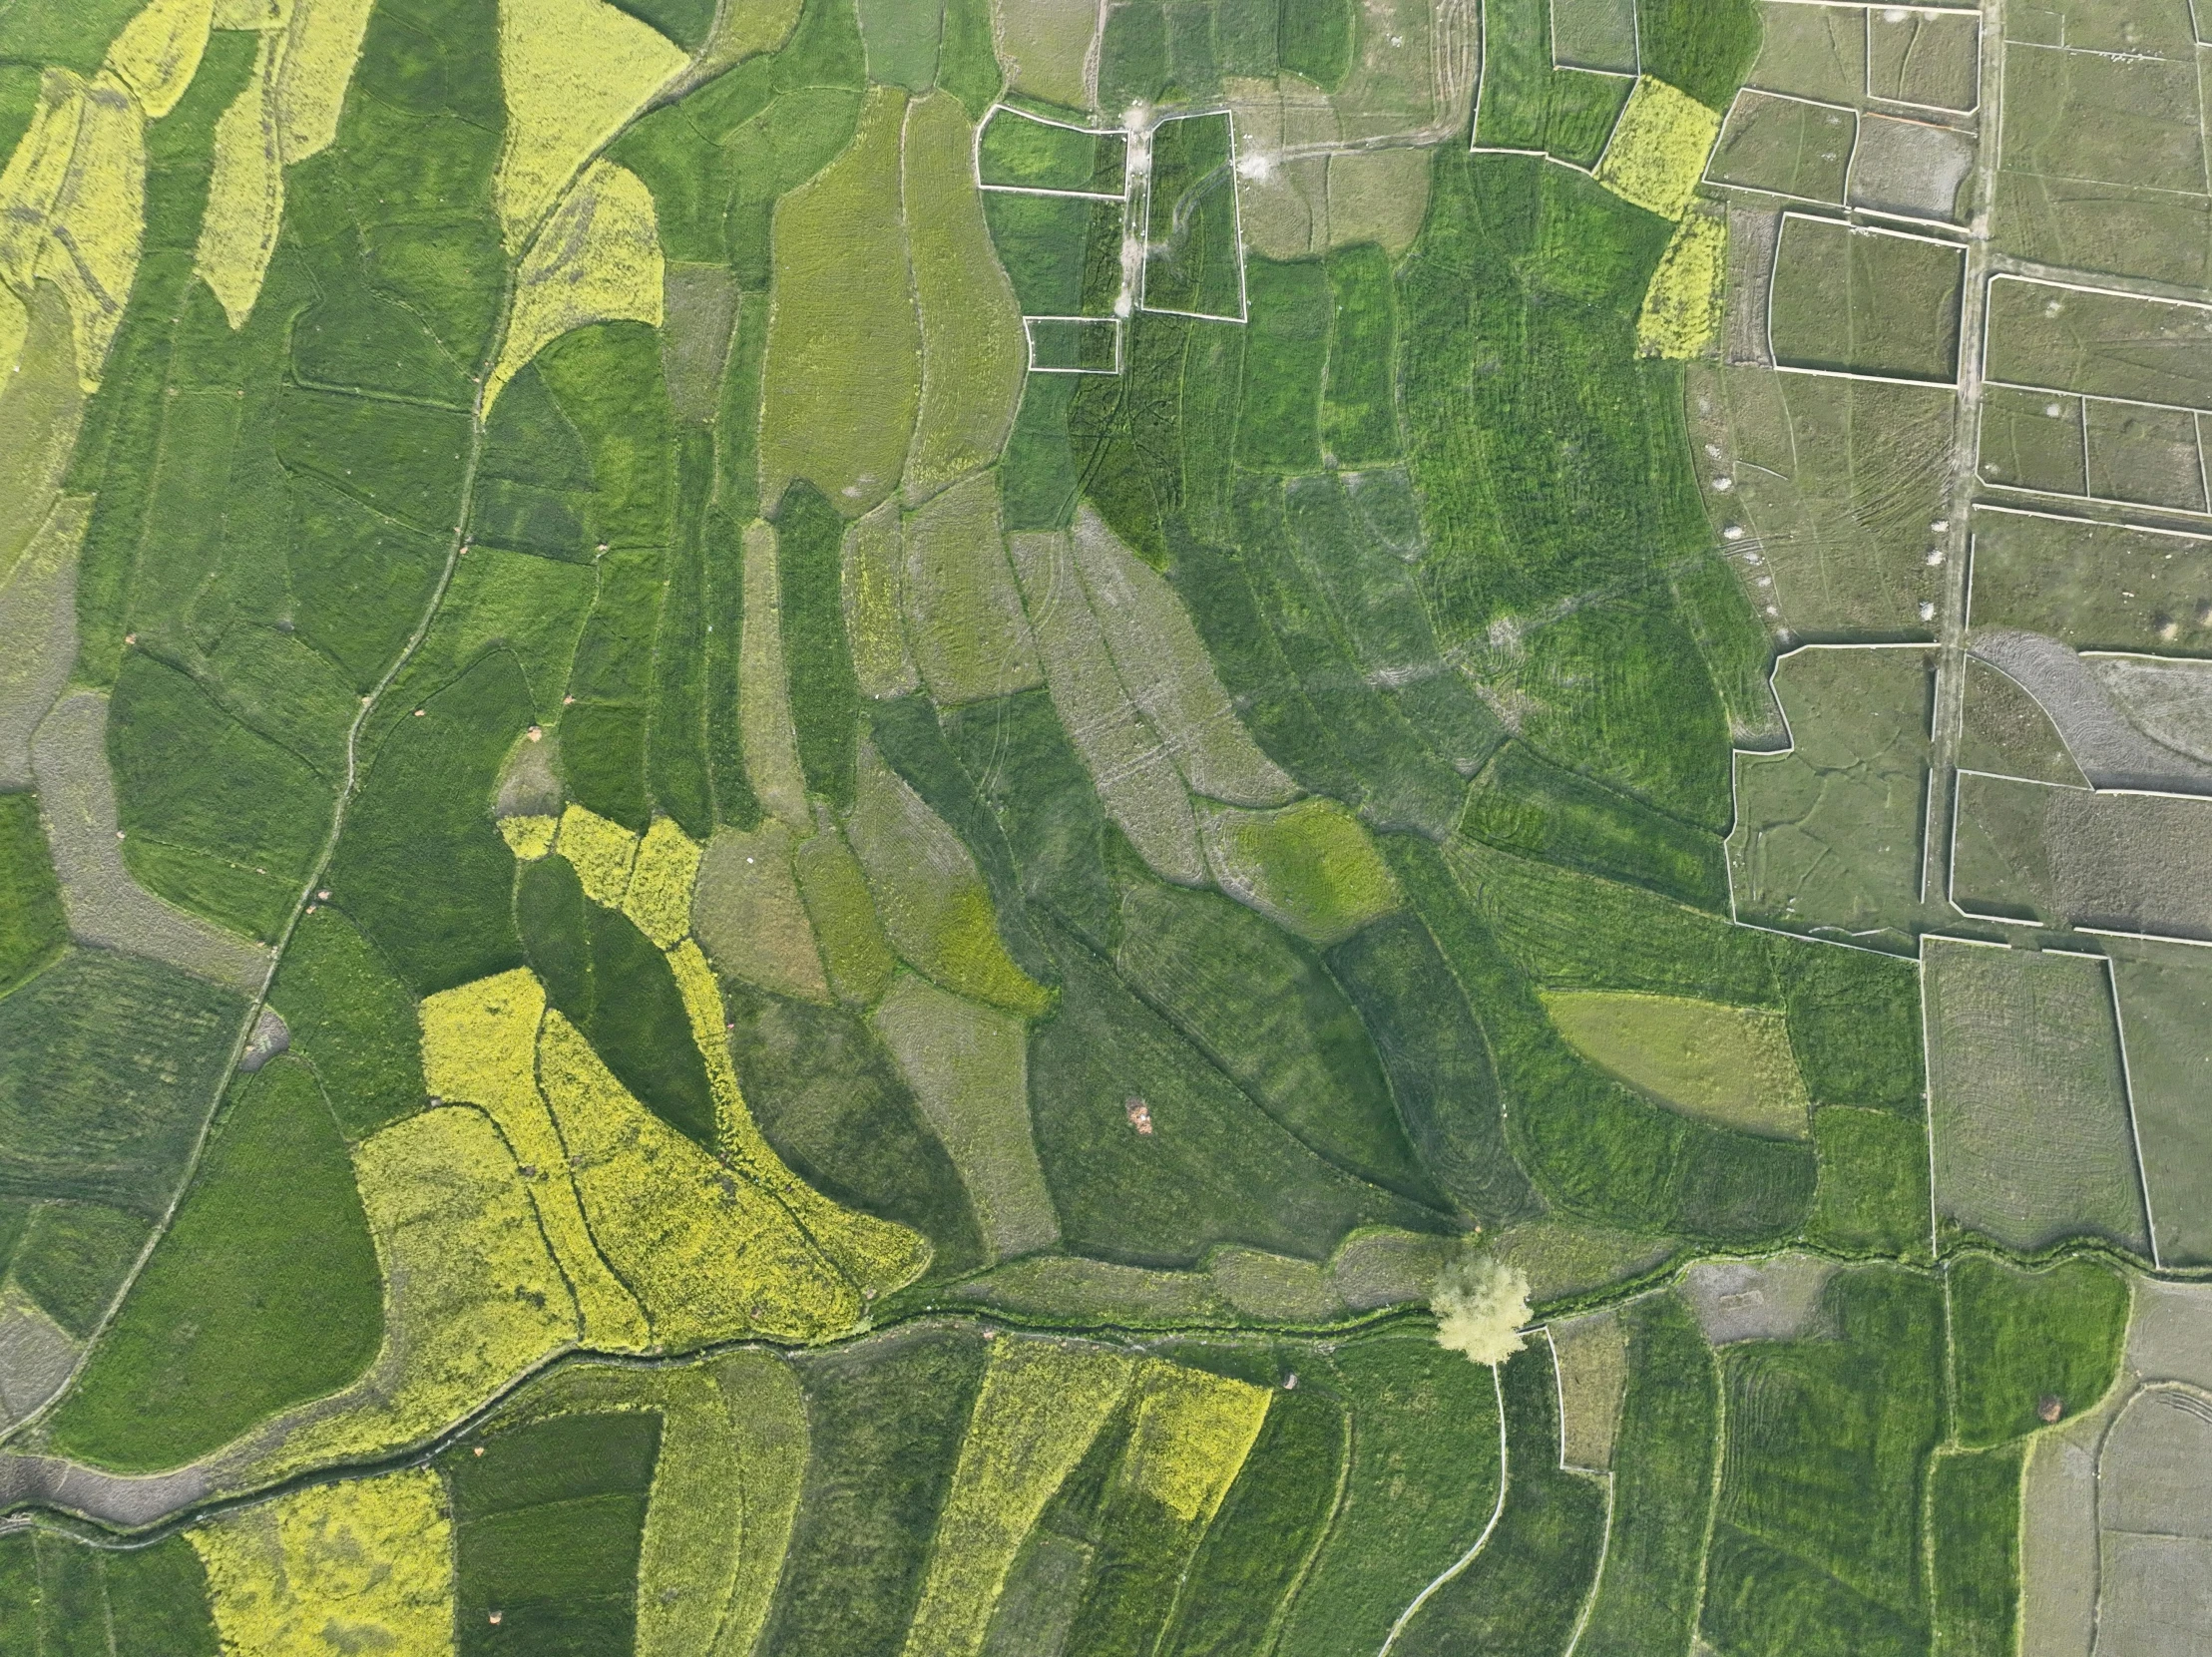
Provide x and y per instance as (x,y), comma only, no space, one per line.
(1274,1288)
(764,1398)
(1310,867)
(1658,149)
(873,579)
(1726,1065)
(855,953)
(843,377)
(1071,1289)
(1562,1258)
(695,1531)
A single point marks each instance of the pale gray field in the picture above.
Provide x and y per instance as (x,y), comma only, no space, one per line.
(2027,1102)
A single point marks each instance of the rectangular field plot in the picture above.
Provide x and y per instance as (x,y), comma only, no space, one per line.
(1594,34)
(2097,587)
(1515,76)
(2103,144)
(2034,439)
(1061,252)
(2034,852)
(1812,51)
(1929,61)
(2165,995)
(2028,1101)
(1846,301)
(1193,255)
(2097,342)
(1785,146)
(1020,151)
(2126,116)
(1074,344)
(1828,834)
(2145,454)
(1914,168)
(1580,112)
(1836,483)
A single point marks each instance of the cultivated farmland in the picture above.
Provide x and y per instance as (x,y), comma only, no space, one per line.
(1165,828)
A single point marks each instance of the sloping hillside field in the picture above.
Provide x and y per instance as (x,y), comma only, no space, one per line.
(1104,828)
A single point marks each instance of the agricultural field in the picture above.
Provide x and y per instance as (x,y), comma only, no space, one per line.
(1104,828)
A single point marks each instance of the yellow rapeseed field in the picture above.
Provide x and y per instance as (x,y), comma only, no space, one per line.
(1040,1408)
(473,1297)
(603,853)
(1192,1433)
(287,113)
(33,177)
(1681,308)
(366,1566)
(245,192)
(877,1255)
(710,1254)
(100,217)
(322,43)
(598,260)
(251,14)
(480,1047)
(1658,149)
(660,894)
(573,72)
(73,206)
(158,52)
(529,838)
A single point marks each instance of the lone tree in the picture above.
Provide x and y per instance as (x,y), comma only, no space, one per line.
(1480,1304)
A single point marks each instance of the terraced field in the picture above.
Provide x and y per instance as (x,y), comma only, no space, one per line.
(1166,828)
